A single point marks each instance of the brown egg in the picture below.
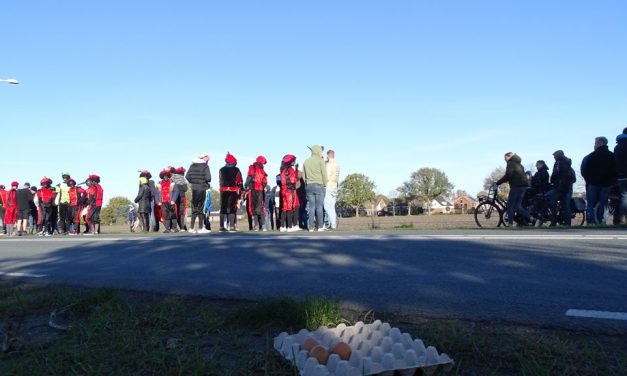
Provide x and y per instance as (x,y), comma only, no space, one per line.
(309,343)
(320,353)
(342,350)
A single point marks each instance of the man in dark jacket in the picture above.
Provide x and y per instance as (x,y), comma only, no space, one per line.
(24,197)
(562,178)
(515,176)
(199,176)
(599,171)
(620,160)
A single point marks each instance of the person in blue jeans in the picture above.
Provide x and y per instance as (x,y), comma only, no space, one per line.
(330,198)
(620,160)
(315,176)
(599,171)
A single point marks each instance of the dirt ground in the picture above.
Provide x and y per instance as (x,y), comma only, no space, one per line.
(435,221)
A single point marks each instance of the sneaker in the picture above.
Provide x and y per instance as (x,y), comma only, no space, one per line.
(321,229)
(537,223)
(311,230)
(167,231)
(265,230)
(222,229)
(84,234)
(282,229)
(194,231)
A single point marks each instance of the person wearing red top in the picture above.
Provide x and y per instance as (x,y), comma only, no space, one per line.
(77,197)
(255,186)
(94,204)
(3,193)
(10,205)
(45,197)
(231,184)
(167,201)
(289,184)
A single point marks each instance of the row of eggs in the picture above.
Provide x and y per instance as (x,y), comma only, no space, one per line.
(368,349)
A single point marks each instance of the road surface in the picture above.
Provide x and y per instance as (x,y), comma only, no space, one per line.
(534,276)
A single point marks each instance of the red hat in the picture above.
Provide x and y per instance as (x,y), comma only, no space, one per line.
(230,159)
(93,177)
(180,170)
(289,158)
(262,160)
(45,180)
(164,172)
(145,174)
(14,184)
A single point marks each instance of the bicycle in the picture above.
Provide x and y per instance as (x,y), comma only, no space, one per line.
(489,213)
(492,211)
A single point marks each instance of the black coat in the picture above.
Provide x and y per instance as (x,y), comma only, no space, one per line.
(563,176)
(143,199)
(199,176)
(620,157)
(598,168)
(540,180)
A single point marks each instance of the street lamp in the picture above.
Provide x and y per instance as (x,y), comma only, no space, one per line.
(11,81)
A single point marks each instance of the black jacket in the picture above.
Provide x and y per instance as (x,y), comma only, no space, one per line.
(540,180)
(199,176)
(24,197)
(514,173)
(563,176)
(620,156)
(598,168)
(144,198)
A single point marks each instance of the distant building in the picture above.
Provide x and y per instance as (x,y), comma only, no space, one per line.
(439,205)
(465,203)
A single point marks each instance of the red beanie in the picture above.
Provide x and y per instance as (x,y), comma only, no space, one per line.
(262,160)
(230,159)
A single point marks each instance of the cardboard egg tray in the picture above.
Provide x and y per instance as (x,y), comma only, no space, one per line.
(377,349)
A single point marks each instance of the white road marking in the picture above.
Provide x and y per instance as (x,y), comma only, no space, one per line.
(597,314)
(27,275)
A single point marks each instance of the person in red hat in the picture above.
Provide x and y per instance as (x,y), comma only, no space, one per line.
(3,196)
(231,184)
(45,197)
(10,205)
(289,183)
(77,197)
(95,195)
(178,176)
(256,181)
(167,201)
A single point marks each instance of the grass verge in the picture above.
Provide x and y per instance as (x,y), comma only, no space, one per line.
(114,332)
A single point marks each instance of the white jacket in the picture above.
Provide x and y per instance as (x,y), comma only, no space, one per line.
(333,175)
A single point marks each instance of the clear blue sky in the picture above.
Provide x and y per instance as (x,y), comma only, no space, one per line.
(113,87)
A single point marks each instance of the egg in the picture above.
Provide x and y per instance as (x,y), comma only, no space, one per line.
(320,353)
(342,350)
(309,343)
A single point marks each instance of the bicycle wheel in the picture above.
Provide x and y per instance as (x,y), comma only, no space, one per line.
(488,215)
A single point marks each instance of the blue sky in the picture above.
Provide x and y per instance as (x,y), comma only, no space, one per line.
(113,87)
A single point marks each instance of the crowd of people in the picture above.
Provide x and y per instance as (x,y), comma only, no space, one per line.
(604,171)
(303,198)
(61,208)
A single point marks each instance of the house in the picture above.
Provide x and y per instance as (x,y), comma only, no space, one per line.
(378,206)
(465,203)
(440,205)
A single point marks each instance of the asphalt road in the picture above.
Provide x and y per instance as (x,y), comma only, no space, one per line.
(532,276)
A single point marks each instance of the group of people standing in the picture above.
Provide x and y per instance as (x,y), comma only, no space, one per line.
(602,170)
(165,202)
(51,209)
